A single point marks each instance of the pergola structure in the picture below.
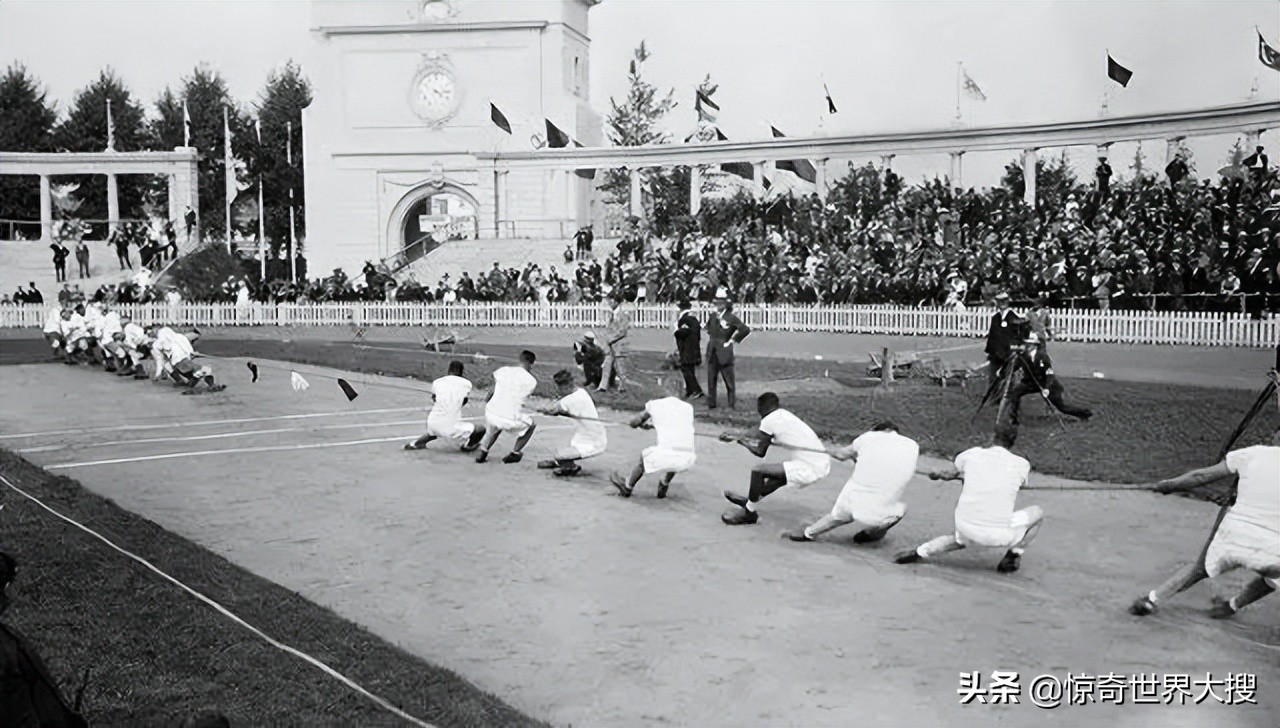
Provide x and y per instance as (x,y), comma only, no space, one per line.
(1251,119)
(179,166)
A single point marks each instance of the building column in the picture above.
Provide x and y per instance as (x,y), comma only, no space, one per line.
(46,210)
(1029,176)
(637,199)
(757,178)
(113,204)
(956,174)
(695,189)
(1251,140)
(499,189)
(820,181)
(1104,151)
(1171,149)
(886,161)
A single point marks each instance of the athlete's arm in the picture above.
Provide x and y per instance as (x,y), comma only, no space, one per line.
(1194,479)
(843,454)
(950,472)
(639,420)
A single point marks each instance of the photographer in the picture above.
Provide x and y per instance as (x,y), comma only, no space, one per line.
(1036,369)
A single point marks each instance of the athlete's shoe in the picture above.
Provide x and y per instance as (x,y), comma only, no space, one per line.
(217,387)
(1009,563)
(740,517)
(620,483)
(738,500)
(547,464)
(796,536)
(907,557)
(868,536)
(482,456)
(1142,607)
(513,457)
(568,471)
(414,446)
(1221,609)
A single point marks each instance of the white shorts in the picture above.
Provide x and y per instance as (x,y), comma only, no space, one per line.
(450,430)
(1241,545)
(1004,538)
(578,452)
(849,508)
(664,460)
(800,473)
(520,425)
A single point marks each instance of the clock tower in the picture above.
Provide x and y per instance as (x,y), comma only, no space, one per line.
(402,105)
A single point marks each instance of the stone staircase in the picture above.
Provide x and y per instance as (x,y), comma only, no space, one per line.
(478,256)
(28,261)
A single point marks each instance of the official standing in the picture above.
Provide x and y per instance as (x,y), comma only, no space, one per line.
(724,330)
(615,339)
(1005,331)
(689,349)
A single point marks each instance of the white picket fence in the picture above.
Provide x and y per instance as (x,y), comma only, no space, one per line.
(1121,327)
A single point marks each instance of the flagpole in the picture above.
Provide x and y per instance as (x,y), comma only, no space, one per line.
(262,228)
(111,129)
(293,256)
(959,70)
(227,171)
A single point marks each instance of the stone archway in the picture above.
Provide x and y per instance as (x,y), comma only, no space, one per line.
(429,215)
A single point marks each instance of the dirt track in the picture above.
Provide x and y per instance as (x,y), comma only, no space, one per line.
(581,607)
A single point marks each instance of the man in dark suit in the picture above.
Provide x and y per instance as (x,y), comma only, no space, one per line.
(1005,331)
(1103,173)
(1037,376)
(689,349)
(724,330)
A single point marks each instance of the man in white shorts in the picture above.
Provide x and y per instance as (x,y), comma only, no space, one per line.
(589,437)
(175,355)
(449,395)
(884,462)
(984,514)
(75,335)
(672,420)
(808,464)
(136,347)
(504,408)
(1248,536)
(104,331)
(53,332)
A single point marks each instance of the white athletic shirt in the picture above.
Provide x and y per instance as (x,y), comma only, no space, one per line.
(73,326)
(1258,498)
(588,434)
(450,391)
(92,320)
(53,321)
(134,335)
(511,386)
(886,462)
(173,345)
(108,325)
(672,422)
(787,429)
(992,477)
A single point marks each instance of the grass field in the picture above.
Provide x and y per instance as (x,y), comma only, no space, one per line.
(1140,432)
(156,656)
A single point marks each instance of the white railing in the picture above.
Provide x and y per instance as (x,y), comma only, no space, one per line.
(1120,327)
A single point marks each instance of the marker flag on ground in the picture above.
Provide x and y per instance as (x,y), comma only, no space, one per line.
(1269,56)
(348,390)
(253,369)
(555,137)
(298,382)
(499,119)
(831,105)
(1117,72)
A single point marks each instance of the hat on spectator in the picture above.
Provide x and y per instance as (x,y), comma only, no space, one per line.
(1002,296)
(683,304)
(722,294)
(589,335)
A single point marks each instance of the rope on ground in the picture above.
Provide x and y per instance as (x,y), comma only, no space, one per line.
(380,702)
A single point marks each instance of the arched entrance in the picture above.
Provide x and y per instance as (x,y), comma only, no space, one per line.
(431,215)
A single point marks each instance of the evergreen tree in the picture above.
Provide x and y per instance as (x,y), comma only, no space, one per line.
(280,103)
(635,122)
(27,120)
(85,130)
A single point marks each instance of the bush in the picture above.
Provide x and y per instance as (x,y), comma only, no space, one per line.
(199,275)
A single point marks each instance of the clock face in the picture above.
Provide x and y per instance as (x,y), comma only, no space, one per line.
(435,96)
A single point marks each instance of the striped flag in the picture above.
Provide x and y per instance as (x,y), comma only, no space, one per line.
(186,125)
(707,109)
(1268,55)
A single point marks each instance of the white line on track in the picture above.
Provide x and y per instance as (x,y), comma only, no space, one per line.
(196,453)
(159,426)
(218,436)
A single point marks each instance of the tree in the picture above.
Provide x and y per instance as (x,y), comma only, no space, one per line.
(280,103)
(27,119)
(635,122)
(85,130)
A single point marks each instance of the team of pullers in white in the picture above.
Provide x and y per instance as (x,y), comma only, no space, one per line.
(885,461)
(95,334)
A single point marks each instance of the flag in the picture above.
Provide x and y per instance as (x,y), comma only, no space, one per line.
(720,137)
(253,369)
(801,168)
(186,125)
(706,108)
(1269,56)
(831,105)
(776,134)
(971,88)
(298,382)
(111,128)
(745,170)
(1117,72)
(348,390)
(556,138)
(498,118)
